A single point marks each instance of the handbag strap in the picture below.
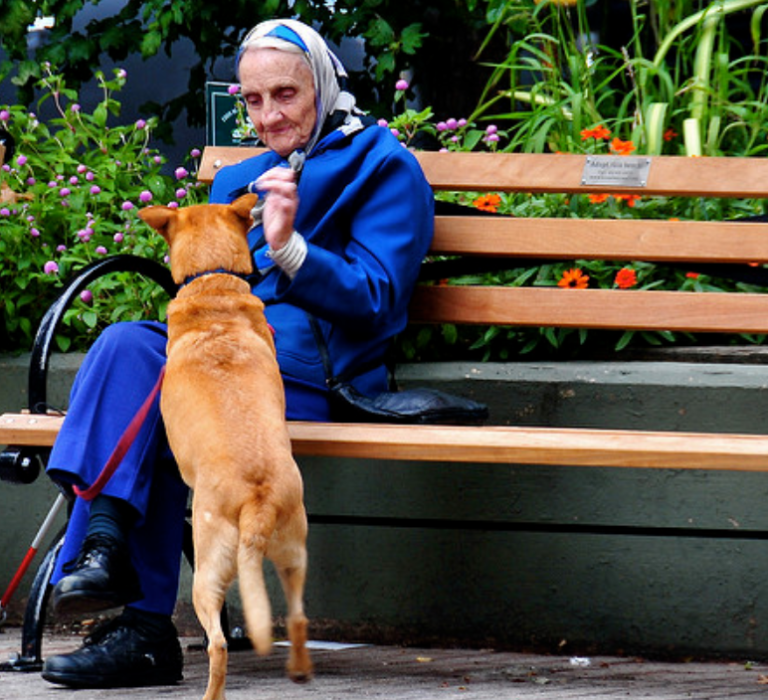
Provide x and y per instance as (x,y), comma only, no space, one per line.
(332,379)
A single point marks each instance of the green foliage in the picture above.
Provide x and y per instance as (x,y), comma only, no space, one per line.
(78,180)
(148,26)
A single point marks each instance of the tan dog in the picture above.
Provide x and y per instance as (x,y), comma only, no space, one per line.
(223,405)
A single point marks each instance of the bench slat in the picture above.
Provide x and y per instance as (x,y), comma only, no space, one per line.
(591,308)
(489,444)
(603,239)
(533,172)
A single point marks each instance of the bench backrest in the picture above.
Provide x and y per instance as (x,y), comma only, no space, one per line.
(663,241)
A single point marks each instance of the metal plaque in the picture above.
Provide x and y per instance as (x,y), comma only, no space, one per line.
(616,171)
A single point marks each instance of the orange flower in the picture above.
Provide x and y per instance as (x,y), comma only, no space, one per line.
(630,199)
(598,198)
(599,132)
(488,202)
(622,148)
(626,278)
(692,275)
(573,279)
(669,134)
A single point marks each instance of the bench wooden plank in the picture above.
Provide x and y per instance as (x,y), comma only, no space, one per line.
(591,308)
(488,444)
(602,239)
(556,173)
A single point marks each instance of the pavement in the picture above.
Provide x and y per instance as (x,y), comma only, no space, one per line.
(351,672)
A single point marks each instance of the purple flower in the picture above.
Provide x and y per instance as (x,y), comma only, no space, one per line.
(141,124)
(491,129)
(181,193)
(158,160)
(50,268)
(118,238)
(95,189)
(5,211)
(127,206)
(21,160)
(34,232)
(195,153)
(181,173)
(81,168)
(61,248)
(74,180)
(173,205)
(90,176)
(86,296)
(31,181)
(145,196)
(122,73)
(65,191)
(6,168)
(5,115)
(53,184)
(401,85)
(75,107)
(383,122)
(441,126)
(101,250)
(233,89)
(452,124)
(395,133)
(84,235)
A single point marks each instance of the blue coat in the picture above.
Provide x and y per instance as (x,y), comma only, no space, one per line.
(366,212)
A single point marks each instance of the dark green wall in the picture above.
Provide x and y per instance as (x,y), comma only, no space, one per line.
(559,558)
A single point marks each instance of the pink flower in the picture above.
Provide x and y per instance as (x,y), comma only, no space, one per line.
(5,115)
(95,189)
(101,250)
(141,124)
(145,196)
(181,173)
(383,122)
(81,168)
(233,89)
(181,193)
(35,233)
(86,296)
(452,124)
(127,206)
(65,191)
(21,160)
(118,238)
(122,73)
(51,268)
(401,85)
(195,153)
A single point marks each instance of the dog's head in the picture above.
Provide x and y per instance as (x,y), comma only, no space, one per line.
(205,237)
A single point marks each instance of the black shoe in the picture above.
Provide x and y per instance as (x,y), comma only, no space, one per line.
(117,655)
(102,577)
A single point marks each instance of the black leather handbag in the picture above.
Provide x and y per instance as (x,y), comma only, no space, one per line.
(420,405)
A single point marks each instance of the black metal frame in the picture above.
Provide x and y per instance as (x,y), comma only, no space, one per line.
(22,465)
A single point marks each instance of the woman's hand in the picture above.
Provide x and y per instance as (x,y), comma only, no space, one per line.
(282,201)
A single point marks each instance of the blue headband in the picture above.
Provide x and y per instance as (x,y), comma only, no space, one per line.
(287,34)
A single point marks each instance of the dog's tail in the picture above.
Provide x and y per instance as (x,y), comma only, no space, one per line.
(253,590)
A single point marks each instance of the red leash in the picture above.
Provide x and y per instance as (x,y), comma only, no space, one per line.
(123,444)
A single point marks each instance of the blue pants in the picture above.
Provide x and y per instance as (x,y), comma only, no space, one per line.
(116,377)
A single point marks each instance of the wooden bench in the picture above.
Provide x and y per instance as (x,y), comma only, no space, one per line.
(470,236)
(680,242)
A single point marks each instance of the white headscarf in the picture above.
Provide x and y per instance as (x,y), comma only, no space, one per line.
(329,74)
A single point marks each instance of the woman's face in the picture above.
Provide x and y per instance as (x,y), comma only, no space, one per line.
(279,94)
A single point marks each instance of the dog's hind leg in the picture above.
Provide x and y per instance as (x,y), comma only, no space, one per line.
(214,573)
(250,570)
(288,552)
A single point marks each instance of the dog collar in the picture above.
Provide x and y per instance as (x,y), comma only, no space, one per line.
(219,271)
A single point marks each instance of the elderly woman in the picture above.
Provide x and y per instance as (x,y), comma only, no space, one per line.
(337,254)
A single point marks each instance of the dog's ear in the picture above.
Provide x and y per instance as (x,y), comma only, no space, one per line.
(158,218)
(243,205)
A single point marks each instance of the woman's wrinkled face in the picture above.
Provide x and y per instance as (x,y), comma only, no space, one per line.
(279,94)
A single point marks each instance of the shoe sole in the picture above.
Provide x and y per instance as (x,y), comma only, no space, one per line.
(79,603)
(135,681)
